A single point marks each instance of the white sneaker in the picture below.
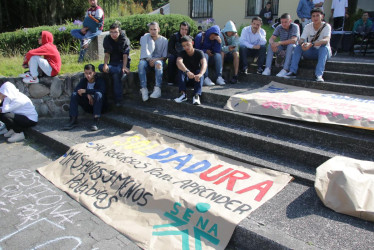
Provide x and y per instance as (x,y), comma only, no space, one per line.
(24,75)
(156,93)
(266,72)
(30,80)
(9,133)
(182,98)
(196,100)
(319,79)
(17,137)
(86,42)
(144,92)
(282,73)
(220,81)
(208,82)
(3,131)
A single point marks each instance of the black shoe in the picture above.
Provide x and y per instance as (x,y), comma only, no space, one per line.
(72,124)
(259,71)
(234,79)
(95,123)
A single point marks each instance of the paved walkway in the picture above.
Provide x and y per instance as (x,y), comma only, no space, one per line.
(34,213)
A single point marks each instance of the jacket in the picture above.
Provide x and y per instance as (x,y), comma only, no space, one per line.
(203,42)
(231,41)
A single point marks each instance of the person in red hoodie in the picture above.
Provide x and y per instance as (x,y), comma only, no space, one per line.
(50,64)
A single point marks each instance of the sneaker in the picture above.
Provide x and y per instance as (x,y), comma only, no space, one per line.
(3,131)
(244,71)
(86,42)
(24,75)
(266,72)
(208,82)
(124,77)
(290,75)
(72,124)
(259,71)
(94,126)
(220,81)
(156,93)
(196,100)
(234,79)
(16,137)
(282,73)
(319,79)
(182,98)
(9,133)
(144,92)
(30,80)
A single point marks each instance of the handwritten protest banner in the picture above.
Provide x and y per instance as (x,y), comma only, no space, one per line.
(281,100)
(160,192)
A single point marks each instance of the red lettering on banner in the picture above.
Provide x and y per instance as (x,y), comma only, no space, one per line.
(232,179)
(204,175)
(324,112)
(276,105)
(263,190)
(311,111)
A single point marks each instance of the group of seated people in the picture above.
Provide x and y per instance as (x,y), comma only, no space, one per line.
(188,60)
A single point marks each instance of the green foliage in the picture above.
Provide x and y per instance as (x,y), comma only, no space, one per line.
(21,41)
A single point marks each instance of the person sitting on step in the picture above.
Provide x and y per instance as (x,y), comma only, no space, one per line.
(17,112)
(153,53)
(192,65)
(230,48)
(90,95)
(46,59)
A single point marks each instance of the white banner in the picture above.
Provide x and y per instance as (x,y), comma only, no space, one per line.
(160,192)
(281,100)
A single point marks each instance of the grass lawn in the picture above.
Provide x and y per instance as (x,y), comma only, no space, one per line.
(12,66)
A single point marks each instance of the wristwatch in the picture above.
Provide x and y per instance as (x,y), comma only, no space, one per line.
(186,71)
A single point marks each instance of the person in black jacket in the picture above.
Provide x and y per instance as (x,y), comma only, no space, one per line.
(89,94)
(174,48)
(117,59)
(266,14)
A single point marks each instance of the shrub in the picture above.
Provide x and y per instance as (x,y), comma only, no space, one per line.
(21,41)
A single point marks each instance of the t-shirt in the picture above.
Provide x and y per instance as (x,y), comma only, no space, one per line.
(339,7)
(192,63)
(161,48)
(309,33)
(90,85)
(284,35)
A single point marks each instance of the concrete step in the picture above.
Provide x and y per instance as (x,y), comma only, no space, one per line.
(293,219)
(348,66)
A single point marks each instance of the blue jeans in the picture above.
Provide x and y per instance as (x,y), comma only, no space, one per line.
(116,71)
(244,52)
(82,101)
(184,80)
(216,59)
(287,60)
(144,67)
(89,35)
(322,55)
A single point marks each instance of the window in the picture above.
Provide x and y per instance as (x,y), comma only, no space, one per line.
(255,6)
(201,8)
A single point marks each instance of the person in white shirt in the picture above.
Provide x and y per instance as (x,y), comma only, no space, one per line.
(314,44)
(253,43)
(339,10)
(17,112)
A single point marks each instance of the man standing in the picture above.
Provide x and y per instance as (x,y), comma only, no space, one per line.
(89,94)
(45,58)
(192,66)
(288,34)
(314,44)
(116,60)
(153,53)
(252,43)
(318,4)
(210,43)
(339,10)
(92,26)
(303,11)
(230,44)
(174,48)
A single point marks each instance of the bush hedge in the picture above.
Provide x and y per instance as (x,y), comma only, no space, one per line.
(21,41)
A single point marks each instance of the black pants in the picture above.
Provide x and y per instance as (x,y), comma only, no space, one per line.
(16,122)
(338,23)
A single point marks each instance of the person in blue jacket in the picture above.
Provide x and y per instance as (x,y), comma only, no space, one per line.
(210,43)
(303,11)
(89,94)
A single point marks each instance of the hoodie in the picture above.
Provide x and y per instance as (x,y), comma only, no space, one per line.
(17,102)
(49,51)
(203,42)
(229,41)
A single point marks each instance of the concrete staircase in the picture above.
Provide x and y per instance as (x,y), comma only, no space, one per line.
(295,218)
